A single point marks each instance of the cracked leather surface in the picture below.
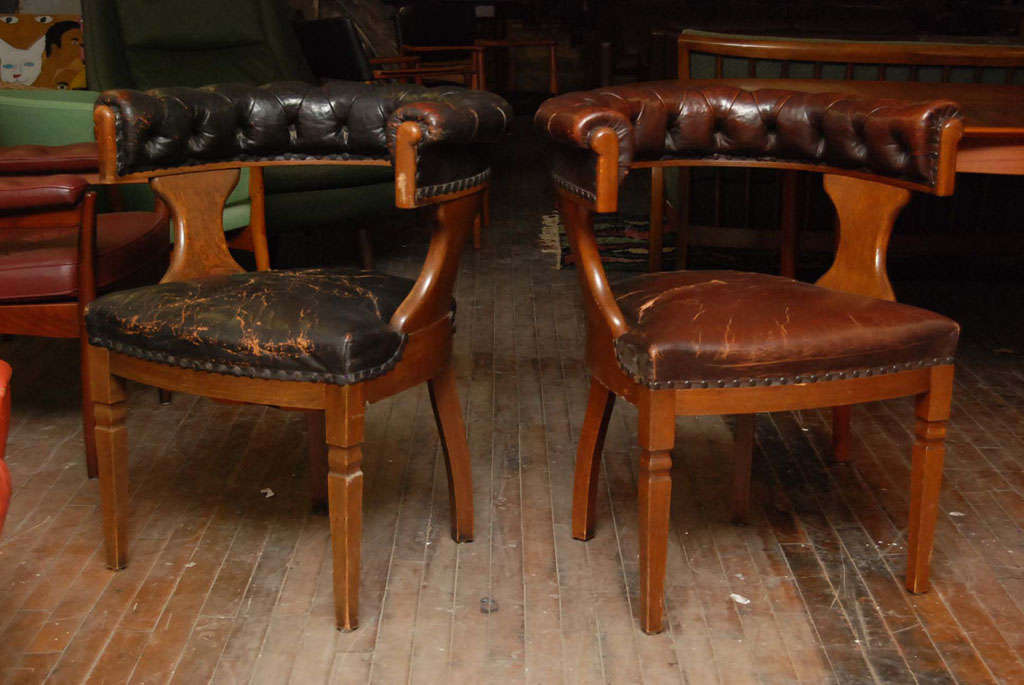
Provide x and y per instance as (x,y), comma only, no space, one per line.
(665,120)
(728,328)
(172,127)
(320,325)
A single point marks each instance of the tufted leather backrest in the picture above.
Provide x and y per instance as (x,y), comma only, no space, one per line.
(667,119)
(168,128)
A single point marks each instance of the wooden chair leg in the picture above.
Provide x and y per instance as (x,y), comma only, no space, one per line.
(683,216)
(926,475)
(588,460)
(656,232)
(788,223)
(483,219)
(743,450)
(108,395)
(317,461)
(365,247)
(656,437)
(444,398)
(88,415)
(344,412)
(841,417)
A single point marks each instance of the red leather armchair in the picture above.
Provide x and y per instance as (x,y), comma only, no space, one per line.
(5,420)
(56,253)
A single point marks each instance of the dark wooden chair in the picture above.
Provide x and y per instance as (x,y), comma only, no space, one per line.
(443,33)
(707,55)
(327,341)
(5,423)
(726,342)
(56,253)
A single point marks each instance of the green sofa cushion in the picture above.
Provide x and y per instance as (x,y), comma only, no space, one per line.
(159,68)
(286,179)
(189,24)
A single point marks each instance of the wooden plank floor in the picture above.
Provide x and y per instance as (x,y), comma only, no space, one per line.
(229,575)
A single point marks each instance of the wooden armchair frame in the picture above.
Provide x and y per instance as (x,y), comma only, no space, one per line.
(195,196)
(865,205)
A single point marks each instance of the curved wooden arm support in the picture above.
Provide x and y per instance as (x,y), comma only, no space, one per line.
(430,297)
(196,201)
(600,305)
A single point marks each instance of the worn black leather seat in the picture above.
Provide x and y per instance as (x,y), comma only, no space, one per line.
(318,325)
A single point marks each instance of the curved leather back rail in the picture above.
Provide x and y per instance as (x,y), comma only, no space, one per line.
(166,128)
(654,121)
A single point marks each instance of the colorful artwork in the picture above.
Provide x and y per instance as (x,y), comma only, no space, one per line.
(41,51)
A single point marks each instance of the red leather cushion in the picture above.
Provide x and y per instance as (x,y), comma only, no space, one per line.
(37,192)
(49,159)
(5,421)
(41,264)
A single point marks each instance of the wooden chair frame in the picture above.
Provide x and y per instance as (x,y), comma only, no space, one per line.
(866,206)
(196,196)
(819,52)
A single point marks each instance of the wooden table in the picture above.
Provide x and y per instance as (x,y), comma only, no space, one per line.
(993,141)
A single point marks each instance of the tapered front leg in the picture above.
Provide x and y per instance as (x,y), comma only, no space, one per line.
(111,451)
(588,460)
(926,475)
(743,451)
(318,470)
(444,398)
(88,417)
(841,417)
(344,411)
(656,437)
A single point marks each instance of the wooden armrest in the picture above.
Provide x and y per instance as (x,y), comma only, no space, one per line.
(426,71)
(442,48)
(487,43)
(398,59)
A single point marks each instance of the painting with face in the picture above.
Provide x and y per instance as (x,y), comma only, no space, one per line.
(41,51)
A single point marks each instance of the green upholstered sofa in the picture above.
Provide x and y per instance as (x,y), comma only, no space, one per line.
(144,44)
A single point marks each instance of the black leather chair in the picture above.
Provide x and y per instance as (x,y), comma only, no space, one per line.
(327,341)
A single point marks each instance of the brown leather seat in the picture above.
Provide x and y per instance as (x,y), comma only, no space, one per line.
(731,328)
(720,342)
(42,263)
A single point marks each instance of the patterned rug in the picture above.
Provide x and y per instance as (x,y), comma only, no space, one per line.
(622,243)
(621,240)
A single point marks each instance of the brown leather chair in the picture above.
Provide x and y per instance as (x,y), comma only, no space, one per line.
(56,253)
(725,342)
(5,422)
(326,341)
